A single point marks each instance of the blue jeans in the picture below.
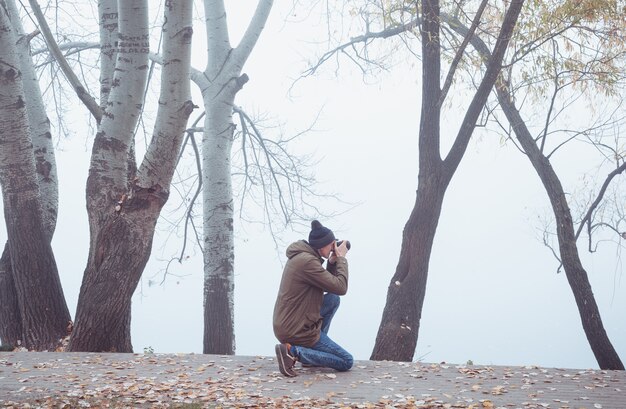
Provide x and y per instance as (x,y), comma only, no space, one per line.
(325,352)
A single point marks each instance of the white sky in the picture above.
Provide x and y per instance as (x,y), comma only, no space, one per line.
(493,295)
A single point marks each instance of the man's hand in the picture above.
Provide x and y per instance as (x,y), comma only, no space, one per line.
(342,250)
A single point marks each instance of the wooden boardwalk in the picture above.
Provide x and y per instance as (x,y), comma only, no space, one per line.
(69,380)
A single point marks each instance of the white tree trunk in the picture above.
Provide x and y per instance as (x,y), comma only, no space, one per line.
(175,103)
(115,133)
(107,11)
(104,299)
(219,280)
(221,81)
(39,126)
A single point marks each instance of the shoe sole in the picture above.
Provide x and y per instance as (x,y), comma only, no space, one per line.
(281,362)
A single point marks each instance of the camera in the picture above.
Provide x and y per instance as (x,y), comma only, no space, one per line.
(347,243)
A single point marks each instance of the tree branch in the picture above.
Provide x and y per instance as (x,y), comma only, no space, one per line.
(80,90)
(587,219)
(255,27)
(189,216)
(364,38)
(494,66)
(461,51)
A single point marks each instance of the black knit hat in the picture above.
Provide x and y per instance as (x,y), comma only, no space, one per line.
(320,236)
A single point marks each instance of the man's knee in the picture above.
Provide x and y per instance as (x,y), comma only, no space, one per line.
(346,364)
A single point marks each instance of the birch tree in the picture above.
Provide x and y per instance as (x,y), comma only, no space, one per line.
(33,311)
(123,200)
(219,83)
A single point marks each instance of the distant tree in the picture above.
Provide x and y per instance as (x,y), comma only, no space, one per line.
(33,311)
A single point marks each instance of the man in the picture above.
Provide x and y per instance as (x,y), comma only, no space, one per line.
(303,311)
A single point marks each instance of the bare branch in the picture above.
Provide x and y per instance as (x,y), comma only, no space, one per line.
(71,47)
(80,90)
(365,39)
(587,218)
(189,216)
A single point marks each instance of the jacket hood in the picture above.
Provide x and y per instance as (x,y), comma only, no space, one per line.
(301,246)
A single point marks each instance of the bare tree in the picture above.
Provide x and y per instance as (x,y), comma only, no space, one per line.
(219,83)
(537,153)
(33,311)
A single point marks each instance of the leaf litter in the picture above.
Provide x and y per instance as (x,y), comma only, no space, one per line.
(64,380)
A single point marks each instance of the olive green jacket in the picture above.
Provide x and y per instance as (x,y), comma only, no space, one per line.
(297,318)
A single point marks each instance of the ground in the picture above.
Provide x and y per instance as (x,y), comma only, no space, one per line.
(74,380)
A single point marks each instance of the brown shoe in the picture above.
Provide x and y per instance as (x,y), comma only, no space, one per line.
(286,362)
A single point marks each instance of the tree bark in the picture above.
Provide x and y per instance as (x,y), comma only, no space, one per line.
(219,250)
(399,328)
(107,11)
(10,320)
(221,81)
(118,254)
(123,210)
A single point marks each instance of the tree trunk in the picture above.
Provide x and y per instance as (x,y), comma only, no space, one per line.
(221,81)
(399,328)
(219,253)
(577,277)
(119,251)
(123,204)
(103,312)
(107,11)
(10,320)
(45,165)
(42,309)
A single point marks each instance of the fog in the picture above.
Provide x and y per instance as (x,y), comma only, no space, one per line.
(493,294)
